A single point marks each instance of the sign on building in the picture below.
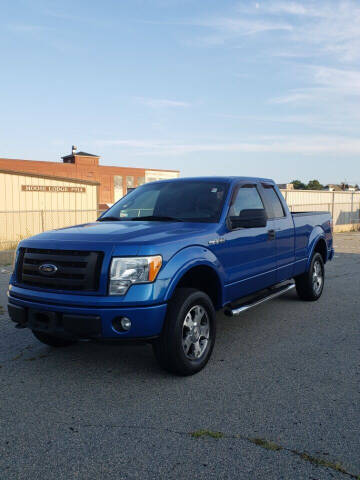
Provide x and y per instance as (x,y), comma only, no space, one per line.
(52,188)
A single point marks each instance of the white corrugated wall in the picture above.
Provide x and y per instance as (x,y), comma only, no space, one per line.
(26,213)
(344,206)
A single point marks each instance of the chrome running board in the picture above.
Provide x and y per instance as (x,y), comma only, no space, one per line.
(234,312)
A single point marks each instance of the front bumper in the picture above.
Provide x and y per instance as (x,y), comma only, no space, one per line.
(81,322)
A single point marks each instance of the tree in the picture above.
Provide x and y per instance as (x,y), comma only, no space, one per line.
(314,185)
(299,185)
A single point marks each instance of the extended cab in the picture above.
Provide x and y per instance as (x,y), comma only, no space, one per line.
(157,265)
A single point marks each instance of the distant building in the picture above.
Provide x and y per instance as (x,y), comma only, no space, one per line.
(286,186)
(333,188)
(341,188)
(114,181)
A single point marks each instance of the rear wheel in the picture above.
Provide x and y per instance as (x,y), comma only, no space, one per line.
(188,335)
(310,285)
(52,340)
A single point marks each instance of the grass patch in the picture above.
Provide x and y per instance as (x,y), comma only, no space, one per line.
(6,246)
(18,356)
(323,463)
(207,433)
(2,311)
(43,355)
(260,442)
(274,447)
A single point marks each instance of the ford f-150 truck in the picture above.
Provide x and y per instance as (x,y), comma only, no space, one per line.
(157,265)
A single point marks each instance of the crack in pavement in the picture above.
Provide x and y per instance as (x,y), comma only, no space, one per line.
(217,436)
(18,355)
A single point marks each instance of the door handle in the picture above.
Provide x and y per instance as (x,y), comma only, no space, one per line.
(272,234)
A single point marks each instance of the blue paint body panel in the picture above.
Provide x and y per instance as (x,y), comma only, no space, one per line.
(146,321)
(245,261)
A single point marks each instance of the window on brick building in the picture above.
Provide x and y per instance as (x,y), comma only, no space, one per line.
(130,183)
(140,181)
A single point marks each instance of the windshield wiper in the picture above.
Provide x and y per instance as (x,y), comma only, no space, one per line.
(157,218)
(109,219)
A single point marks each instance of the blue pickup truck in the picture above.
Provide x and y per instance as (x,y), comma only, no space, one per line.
(160,262)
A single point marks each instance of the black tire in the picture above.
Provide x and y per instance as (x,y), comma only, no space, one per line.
(185,308)
(53,341)
(306,285)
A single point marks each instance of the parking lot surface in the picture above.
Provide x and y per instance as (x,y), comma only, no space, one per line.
(278,400)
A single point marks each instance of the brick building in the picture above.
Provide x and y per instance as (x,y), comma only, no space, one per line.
(114,181)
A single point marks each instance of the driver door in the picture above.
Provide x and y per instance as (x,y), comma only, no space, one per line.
(248,255)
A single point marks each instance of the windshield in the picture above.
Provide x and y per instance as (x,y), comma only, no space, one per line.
(190,201)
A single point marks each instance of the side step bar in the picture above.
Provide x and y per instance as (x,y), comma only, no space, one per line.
(234,312)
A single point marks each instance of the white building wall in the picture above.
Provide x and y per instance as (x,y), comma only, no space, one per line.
(155,175)
(26,213)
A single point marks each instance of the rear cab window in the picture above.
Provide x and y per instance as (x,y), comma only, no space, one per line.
(272,201)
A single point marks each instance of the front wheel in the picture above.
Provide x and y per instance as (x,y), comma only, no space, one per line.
(310,284)
(188,335)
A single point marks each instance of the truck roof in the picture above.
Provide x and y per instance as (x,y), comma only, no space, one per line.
(219,179)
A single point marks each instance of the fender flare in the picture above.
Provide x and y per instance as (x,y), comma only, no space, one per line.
(316,235)
(186,259)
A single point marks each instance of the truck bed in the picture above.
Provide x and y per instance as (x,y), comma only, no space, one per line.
(308,227)
(303,214)
(312,220)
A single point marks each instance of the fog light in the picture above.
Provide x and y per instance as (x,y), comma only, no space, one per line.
(121,324)
(126,323)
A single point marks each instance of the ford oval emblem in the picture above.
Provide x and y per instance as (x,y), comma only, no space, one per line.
(48,269)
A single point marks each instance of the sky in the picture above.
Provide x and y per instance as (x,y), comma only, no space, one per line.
(207,87)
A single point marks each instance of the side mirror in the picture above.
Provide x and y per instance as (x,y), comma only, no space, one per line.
(249,219)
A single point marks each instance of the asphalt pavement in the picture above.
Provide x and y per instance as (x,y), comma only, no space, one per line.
(278,400)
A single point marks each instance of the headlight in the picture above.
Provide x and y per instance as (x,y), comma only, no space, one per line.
(126,271)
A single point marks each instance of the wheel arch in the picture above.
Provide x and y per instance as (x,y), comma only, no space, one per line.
(321,248)
(318,245)
(201,272)
(204,278)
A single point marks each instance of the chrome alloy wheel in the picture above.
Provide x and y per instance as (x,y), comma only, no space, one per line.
(317,277)
(196,332)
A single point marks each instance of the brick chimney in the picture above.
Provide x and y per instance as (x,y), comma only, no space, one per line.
(81,158)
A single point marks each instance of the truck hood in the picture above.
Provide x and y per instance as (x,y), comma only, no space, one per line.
(134,234)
